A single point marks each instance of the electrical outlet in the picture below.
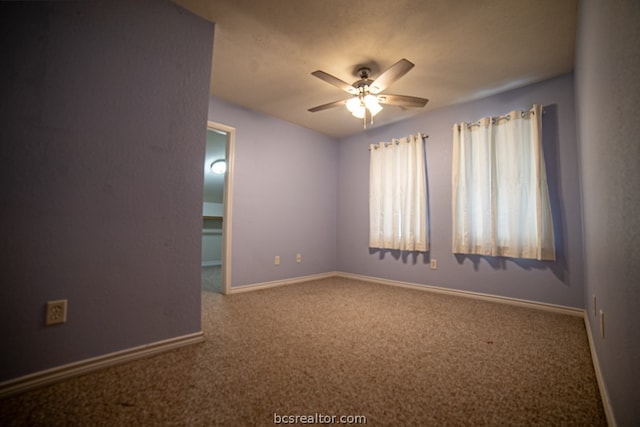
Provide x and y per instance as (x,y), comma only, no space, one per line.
(276,260)
(434,264)
(56,312)
(298,258)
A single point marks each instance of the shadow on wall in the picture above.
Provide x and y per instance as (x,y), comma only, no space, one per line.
(550,145)
(406,256)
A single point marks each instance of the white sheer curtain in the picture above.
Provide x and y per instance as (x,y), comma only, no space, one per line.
(500,194)
(398,195)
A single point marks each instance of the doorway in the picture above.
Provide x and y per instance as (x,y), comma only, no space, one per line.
(216,208)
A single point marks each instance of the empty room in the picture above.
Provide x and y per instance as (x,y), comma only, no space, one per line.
(265,212)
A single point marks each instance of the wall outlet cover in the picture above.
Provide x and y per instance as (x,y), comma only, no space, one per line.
(56,312)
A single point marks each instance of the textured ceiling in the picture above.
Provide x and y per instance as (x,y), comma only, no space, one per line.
(265,50)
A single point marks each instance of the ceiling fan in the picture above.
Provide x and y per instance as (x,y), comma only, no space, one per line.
(366,94)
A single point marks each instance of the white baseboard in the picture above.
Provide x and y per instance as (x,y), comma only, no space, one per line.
(275,283)
(468,294)
(60,373)
(604,394)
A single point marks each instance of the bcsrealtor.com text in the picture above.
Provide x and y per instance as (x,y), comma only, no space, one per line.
(319,419)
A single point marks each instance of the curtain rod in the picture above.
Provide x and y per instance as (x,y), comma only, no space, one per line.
(386,144)
(506,117)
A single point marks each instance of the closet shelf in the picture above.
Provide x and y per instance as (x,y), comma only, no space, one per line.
(212,231)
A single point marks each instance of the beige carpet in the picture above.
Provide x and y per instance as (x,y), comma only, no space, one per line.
(211,278)
(345,348)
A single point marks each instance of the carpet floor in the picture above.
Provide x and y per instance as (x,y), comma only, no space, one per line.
(344,348)
(211,278)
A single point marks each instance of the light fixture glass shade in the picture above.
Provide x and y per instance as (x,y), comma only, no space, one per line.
(371,101)
(358,106)
(219,167)
(353,104)
(359,111)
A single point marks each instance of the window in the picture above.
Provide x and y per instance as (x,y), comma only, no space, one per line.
(398,195)
(500,196)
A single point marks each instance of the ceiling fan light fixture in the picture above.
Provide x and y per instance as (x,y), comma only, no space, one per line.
(359,111)
(356,107)
(371,102)
(354,104)
(219,167)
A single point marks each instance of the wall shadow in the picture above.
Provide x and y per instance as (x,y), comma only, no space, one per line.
(407,257)
(501,263)
(551,147)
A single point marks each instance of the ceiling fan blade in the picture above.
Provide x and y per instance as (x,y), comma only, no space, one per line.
(327,106)
(390,75)
(335,82)
(402,100)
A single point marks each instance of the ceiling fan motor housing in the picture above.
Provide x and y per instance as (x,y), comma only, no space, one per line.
(364,74)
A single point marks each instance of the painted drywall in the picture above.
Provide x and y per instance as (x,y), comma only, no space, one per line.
(284,197)
(608,103)
(212,209)
(559,282)
(211,247)
(212,233)
(104,109)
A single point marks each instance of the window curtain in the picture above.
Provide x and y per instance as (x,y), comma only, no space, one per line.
(500,194)
(398,195)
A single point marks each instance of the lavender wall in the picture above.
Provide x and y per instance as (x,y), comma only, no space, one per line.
(284,195)
(103,109)
(559,282)
(608,100)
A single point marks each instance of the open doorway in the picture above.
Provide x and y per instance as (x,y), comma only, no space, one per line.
(216,208)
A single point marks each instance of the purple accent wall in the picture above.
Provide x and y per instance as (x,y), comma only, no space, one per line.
(608,101)
(284,196)
(103,107)
(559,282)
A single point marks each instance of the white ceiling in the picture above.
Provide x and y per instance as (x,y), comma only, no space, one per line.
(265,50)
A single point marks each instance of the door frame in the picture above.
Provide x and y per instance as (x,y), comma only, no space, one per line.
(227,201)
